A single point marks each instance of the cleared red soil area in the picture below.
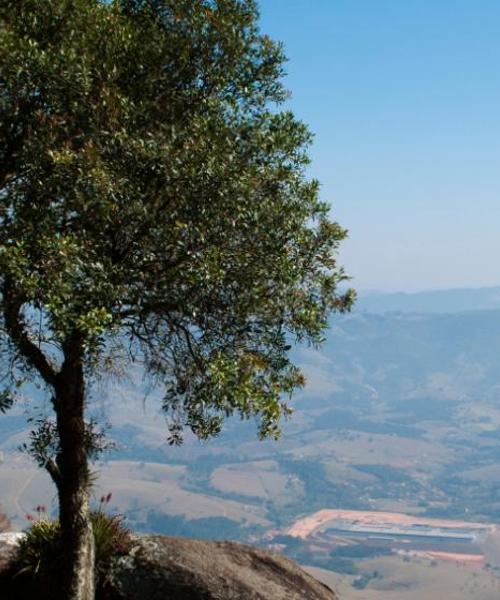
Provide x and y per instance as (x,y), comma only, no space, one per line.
(303,528)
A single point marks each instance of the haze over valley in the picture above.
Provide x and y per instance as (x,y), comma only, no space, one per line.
(400,416)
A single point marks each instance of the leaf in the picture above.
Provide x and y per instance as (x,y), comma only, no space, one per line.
(6,401)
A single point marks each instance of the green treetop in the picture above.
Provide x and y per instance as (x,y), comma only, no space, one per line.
(154,206)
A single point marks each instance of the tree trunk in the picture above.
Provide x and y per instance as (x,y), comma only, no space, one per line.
(71,473)
(77,581)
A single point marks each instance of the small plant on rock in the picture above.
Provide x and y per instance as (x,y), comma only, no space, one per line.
(111,537)
(39,552)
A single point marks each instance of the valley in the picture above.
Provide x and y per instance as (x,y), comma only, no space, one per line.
(401,415)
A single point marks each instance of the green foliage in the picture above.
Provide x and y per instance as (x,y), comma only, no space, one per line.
(211,528)
(154,203)
(38,551)
(6,401)
(111,539)
(307,554)
(39,554)
(43,443)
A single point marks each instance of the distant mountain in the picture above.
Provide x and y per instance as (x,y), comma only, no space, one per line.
(405,360)
(401,413)
(436,301)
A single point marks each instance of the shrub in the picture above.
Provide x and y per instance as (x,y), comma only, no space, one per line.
(111,538)
(39,551)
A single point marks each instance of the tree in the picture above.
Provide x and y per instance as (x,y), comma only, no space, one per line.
(154,206)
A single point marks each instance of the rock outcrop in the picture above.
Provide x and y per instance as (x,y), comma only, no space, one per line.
(4,523)
(8,544)
(159,567)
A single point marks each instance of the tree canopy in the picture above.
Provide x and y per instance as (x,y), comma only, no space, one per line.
(155,206)
(151,192)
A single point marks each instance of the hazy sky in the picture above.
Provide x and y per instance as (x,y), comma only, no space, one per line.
(404,99)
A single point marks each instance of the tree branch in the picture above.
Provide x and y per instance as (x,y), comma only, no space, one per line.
(16,329)
(12,141)
(53,471)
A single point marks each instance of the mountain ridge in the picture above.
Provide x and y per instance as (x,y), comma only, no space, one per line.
(430,301)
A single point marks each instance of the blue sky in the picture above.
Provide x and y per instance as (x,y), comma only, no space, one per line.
(404,99)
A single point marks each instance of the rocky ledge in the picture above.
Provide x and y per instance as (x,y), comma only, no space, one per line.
(8,544)
(159,567)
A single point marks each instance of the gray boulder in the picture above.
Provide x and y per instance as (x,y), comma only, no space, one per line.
(169,568)
(8,546)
